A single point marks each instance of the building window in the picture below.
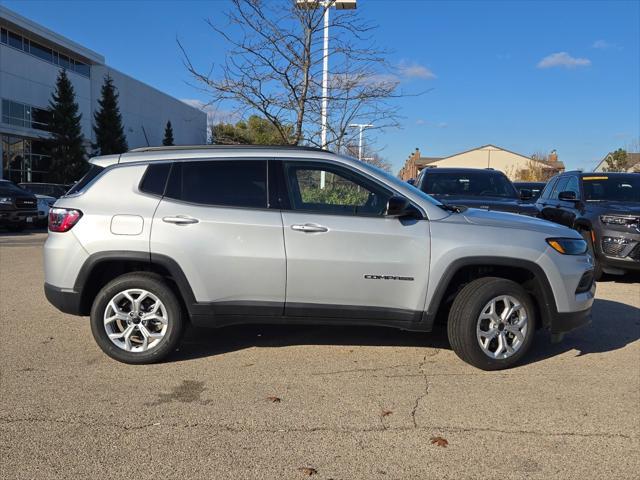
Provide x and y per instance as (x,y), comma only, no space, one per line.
(22,115)
(44,53)
(24,159)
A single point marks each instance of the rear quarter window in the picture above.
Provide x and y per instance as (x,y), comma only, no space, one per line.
(91,175)
(155,179)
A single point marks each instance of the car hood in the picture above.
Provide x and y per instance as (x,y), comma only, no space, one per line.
(615,208)
(521,222)
(490,203)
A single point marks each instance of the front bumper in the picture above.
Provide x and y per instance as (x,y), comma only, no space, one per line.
(566,322)
(622,253)
(65,300)
(8,217)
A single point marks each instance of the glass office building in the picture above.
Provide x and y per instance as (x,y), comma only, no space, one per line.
(31,57)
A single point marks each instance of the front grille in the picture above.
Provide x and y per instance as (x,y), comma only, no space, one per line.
(635,253)
(613,249)
(26,203)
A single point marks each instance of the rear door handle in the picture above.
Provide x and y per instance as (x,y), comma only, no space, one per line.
(180,220)
(309,228)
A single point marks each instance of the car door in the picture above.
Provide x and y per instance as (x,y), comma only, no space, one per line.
(567,210)
(345,258)
(215,223)
(551,205)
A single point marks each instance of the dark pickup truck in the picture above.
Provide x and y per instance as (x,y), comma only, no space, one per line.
(18,208)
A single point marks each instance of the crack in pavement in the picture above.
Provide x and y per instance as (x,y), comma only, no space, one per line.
(355,370)
(423,395)
(235,429)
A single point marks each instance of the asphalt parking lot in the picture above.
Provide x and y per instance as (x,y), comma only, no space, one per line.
(286,402)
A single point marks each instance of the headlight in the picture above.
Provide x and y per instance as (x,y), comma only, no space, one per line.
(568,246)
(618,220)
(5,201)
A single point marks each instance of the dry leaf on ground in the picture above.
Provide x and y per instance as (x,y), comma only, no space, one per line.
(439,441)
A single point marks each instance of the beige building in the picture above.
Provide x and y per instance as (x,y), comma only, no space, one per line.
(633,162)
(487,156)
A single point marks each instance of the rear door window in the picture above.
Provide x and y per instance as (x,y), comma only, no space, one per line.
(233,183)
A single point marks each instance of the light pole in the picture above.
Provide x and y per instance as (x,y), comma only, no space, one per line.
(361,126)
(326,4)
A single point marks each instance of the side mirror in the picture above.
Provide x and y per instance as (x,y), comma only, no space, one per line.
(526,194)
(401,207)
(567,196)
(411,181)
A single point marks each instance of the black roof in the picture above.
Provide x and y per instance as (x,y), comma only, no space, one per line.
(461,170)
(597,174)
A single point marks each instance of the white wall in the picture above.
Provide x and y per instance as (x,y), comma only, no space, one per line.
(30,80)
(145,107)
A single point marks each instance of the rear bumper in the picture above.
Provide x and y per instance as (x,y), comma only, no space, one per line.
(65,300)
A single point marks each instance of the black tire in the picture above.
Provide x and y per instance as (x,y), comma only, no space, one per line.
(463,320)
(597,265)
(154,284)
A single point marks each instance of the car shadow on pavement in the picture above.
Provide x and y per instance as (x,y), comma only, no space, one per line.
(202,342)
(4,233)
(614,325)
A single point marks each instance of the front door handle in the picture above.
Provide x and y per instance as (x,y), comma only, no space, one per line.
(309,228)
(180,220)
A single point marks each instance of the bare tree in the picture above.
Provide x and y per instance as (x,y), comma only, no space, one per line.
(369,155)
(274,68)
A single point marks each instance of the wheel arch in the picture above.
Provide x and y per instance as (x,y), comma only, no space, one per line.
(101,268)
(463,270)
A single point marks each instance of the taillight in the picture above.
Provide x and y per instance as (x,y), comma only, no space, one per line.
(63,219)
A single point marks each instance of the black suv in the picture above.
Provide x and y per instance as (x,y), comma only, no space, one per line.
(605,208)
(18,208)
(475,188)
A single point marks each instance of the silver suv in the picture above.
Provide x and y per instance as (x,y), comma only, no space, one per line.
(154,239)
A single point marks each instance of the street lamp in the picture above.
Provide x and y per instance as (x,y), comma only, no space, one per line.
(361,126)
(326,4)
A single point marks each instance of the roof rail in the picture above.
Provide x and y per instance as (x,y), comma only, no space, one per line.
(227,147)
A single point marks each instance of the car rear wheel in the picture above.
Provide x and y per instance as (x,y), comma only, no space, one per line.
(136,318)
(491,323)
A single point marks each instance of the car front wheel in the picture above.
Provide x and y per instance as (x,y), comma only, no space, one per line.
(491,323)
(136,318)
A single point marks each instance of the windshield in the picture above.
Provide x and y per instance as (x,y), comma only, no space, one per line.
(618,188)
(481,183)
(8,188)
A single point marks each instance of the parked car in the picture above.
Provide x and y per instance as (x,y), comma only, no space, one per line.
(18,208)
(529,190)
(605,209)
(487,189)
(54,190)
(155,238)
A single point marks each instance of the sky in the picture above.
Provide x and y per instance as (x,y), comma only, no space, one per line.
(526,76)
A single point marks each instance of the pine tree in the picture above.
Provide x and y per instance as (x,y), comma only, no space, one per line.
(107,126)
(167,141)
(66,145)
